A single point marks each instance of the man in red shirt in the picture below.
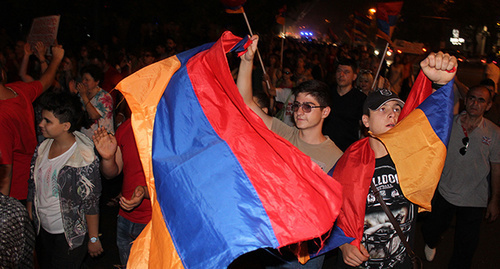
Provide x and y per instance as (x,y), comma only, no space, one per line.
(120,154)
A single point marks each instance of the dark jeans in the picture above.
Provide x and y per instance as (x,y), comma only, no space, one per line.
(468,222)
(126,233)
(53,251)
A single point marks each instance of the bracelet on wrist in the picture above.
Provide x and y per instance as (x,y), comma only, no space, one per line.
(437,86)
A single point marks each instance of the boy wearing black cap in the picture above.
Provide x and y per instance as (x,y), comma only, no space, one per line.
(376,243)
(380,114)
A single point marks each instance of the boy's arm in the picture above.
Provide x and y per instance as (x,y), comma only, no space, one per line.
(95,249)
(48,76)
(40,50)
(23,69)
(439,67)
(244,81)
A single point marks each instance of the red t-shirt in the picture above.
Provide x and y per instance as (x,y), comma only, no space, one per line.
(111,79)
(17,134)
(133,175)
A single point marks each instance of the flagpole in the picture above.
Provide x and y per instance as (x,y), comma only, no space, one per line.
(258,54)
(282,45)
(380,66)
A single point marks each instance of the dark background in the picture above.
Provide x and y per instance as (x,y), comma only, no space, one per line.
(193,22)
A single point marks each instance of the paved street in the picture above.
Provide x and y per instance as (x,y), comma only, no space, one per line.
(487,255)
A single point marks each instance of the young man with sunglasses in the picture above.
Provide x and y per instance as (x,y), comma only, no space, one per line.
(473,152)
(309,111)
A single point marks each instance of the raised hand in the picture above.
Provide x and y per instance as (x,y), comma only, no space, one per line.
(57,53)
(40,50)
(105,143)
(72,87)
(82,90)
(27,49)
(439,67)
(248,56)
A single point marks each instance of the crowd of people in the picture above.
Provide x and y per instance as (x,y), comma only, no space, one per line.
(65,130)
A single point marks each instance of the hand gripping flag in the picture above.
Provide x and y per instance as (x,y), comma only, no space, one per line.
(221,183)
(417,145)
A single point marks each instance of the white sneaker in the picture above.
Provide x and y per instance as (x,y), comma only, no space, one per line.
(429,253)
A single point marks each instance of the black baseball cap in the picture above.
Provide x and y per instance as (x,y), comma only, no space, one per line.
(378,98)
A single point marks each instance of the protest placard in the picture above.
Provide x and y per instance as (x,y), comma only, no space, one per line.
(44,29)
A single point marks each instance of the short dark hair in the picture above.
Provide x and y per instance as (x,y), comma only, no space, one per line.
(94,71)
(349,62)
(316,89)
(65,106)
(477,87)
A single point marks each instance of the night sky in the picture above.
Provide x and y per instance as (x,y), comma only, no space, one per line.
(421,20)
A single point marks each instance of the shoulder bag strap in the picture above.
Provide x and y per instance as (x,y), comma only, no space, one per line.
(414,258)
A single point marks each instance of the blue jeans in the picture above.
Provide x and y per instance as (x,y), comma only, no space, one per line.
(126,233)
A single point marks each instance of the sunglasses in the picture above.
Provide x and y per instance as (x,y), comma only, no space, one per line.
(287,72)
(305,107)
(465,141)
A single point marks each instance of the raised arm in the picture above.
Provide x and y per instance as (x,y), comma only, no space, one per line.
(49,75)
(23,69)
(439,67)
(106,145)
(244,81)
(40,50)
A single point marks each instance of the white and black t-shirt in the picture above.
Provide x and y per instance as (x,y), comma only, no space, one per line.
(379,237)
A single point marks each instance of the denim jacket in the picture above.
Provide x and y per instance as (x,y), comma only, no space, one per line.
(79,186)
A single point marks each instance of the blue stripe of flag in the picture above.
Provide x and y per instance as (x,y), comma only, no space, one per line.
(208,202)
(436,106)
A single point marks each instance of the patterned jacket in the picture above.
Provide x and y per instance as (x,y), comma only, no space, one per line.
(79,186)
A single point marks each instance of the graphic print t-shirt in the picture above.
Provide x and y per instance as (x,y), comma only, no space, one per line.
(48,206)
(379,237)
